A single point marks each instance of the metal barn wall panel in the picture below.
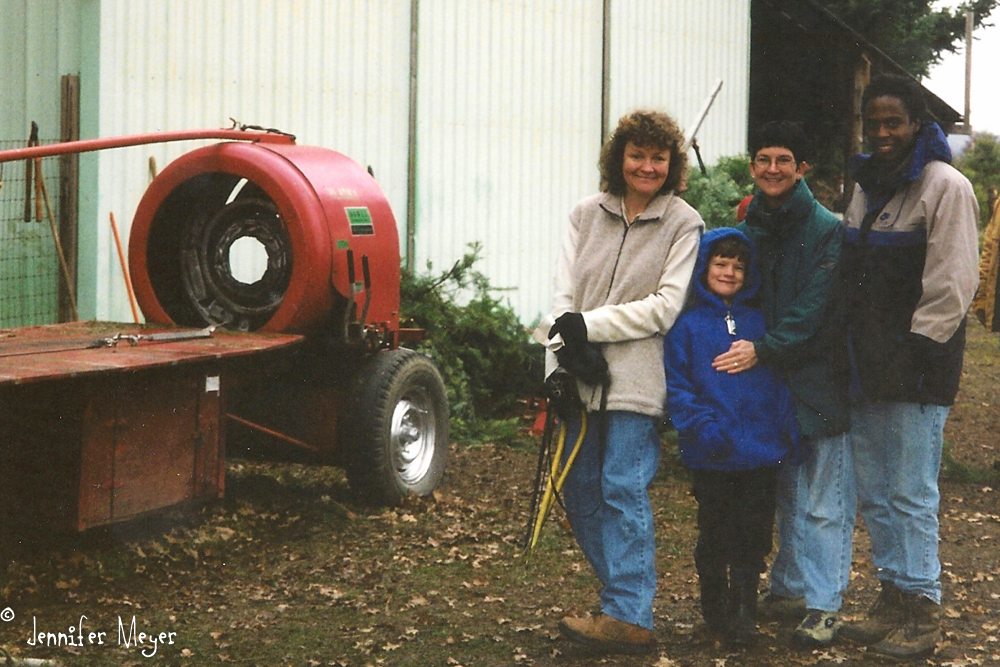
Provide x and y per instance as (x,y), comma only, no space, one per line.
(38,43)
(508,114)
(14,75)
(333,72)
(669,56)
(509,134)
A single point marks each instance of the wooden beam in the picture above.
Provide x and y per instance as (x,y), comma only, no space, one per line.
(69,182)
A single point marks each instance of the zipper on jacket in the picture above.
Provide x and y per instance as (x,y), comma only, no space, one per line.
(614,270)
(730,324)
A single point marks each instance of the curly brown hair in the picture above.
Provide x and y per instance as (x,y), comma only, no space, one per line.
(643,128)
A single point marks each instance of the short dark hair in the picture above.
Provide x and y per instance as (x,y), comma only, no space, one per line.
(783,133)
(907,90)
(731,247)
(644,129)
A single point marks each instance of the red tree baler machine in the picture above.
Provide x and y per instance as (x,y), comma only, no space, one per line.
(124,420)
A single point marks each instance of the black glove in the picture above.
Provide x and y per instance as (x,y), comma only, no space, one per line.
(581,359)
(560,391)
(572,328)
(585,363)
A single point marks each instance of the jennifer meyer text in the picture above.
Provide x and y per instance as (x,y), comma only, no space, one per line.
(147,641)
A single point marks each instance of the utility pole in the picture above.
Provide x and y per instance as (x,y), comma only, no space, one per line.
(967,124)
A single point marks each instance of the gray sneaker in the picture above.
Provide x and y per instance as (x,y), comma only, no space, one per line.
(816,630)
(774,606)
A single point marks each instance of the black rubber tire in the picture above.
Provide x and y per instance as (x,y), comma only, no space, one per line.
(397,430)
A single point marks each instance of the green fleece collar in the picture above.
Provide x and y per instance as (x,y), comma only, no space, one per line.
(787,218)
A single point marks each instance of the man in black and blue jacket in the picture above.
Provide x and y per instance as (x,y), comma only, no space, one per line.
(908,276)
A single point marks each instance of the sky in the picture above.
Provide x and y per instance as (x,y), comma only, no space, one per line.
(947,79)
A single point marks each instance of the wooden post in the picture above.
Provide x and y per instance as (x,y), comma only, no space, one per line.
(969,24)
(862,75)
(69,182)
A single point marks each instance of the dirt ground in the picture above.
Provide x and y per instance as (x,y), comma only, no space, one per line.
(289,570)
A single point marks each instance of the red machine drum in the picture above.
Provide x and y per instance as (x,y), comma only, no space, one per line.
(322,221)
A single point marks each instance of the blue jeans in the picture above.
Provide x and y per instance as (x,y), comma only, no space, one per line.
(817,505)
(897,457)
(608,506)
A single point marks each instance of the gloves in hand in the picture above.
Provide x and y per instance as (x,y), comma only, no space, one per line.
(572,328)
(585,363)
(579,358)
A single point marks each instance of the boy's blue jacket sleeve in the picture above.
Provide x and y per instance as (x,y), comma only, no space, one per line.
(688,414)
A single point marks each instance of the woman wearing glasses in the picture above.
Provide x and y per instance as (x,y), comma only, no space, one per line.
(798,248)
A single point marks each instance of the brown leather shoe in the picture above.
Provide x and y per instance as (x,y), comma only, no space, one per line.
(885,615)
(919,634)
(605,634)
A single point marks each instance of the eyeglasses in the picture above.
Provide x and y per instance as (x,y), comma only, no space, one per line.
(782,161)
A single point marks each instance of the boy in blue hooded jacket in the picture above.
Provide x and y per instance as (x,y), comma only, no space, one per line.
(733,431)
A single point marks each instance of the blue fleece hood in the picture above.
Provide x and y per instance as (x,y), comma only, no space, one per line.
(751,280)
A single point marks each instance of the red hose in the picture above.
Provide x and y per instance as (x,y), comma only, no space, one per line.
(87,145)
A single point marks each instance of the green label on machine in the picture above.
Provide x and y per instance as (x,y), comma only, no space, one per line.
(360,220)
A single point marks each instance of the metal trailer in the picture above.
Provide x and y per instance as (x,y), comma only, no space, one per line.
(102,422)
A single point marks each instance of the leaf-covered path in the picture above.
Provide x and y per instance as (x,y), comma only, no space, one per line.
(288,570)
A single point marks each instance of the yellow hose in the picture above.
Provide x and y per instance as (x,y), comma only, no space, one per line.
(557,477)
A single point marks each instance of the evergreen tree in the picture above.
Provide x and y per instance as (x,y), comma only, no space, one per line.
(912,32)
(981,165)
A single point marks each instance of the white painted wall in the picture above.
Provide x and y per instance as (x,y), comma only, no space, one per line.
(670,55)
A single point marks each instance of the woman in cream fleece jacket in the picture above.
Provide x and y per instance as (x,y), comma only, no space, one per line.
(621,280)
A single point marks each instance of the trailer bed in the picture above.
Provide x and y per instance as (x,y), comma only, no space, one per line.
(74,349)
(96,429)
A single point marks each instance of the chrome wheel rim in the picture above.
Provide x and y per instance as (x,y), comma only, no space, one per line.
(413,436)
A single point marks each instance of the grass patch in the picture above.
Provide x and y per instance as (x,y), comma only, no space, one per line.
(953,470)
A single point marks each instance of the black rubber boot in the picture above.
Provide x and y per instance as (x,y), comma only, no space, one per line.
(743,607)
(715,599)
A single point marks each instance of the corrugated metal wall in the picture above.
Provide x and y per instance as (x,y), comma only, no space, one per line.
(509,130)
(508,113)
(333,72)
(670,55)
(38,42)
